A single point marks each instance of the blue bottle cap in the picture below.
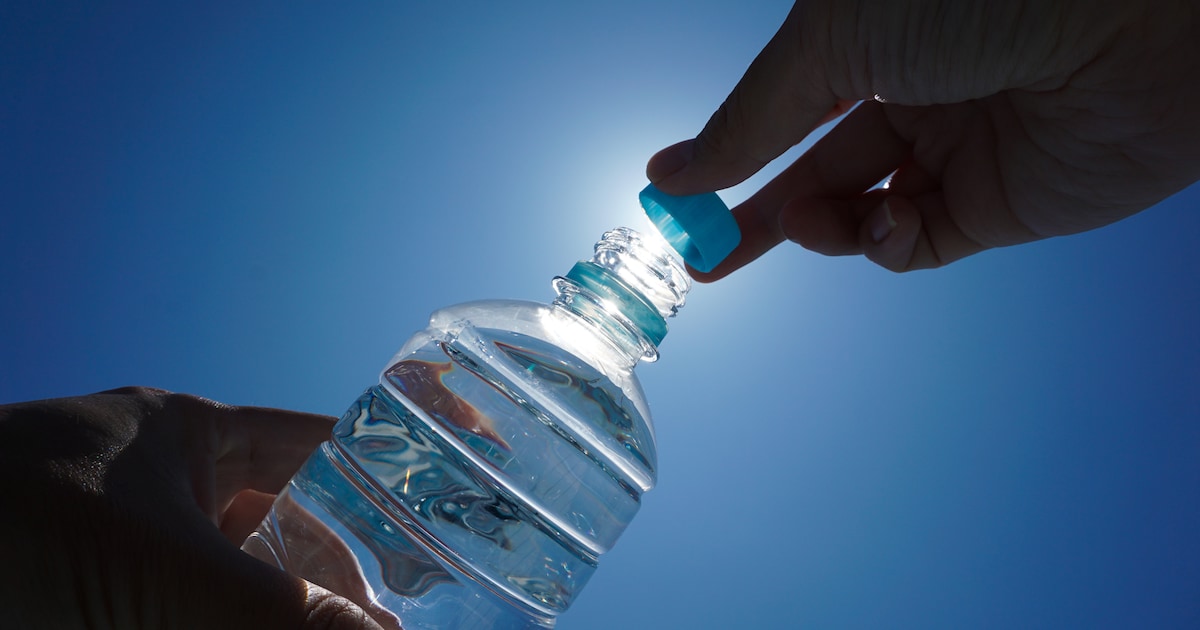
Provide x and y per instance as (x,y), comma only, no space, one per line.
(699,227)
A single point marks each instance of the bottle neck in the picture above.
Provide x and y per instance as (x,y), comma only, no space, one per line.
(626,292)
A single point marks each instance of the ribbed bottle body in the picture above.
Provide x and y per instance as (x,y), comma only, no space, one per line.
(504,450)
(491,465)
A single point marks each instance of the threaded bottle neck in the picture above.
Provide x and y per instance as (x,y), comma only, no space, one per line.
(627,291)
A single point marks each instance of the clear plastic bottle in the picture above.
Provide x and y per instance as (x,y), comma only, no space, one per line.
(504,450)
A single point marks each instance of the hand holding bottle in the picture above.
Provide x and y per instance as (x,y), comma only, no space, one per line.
(125,509)
(999,124)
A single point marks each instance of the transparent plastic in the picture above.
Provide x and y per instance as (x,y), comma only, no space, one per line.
(505,448)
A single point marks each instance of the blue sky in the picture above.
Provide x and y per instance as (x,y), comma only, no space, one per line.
(258,204)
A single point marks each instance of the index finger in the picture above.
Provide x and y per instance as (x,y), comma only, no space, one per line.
(231,449)
(855,155)
(262,448)
(781,98)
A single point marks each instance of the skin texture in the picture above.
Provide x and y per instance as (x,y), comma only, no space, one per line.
(998,123)
(126,510)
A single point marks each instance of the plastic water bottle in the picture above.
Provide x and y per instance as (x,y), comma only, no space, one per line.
(505,448)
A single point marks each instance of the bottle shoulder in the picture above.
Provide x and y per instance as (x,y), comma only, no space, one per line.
(514,315)
(548,323)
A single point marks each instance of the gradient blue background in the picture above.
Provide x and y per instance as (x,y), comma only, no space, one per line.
(258,204)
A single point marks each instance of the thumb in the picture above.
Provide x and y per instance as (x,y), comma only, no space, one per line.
(897,232)
(904,233)
(127,569)
(325,610)
(227,588)
(782,97)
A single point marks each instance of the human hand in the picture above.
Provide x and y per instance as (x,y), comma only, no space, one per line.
(999,122)
(125,509)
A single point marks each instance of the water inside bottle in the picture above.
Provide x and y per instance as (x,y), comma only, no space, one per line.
(487,466)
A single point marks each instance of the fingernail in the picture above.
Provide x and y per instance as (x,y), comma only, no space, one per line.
(669,161)
(882,223)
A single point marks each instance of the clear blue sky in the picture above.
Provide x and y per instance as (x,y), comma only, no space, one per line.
(259,203)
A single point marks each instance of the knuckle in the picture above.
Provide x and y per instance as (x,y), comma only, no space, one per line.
(326,611)
(714,139)
(138,391)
